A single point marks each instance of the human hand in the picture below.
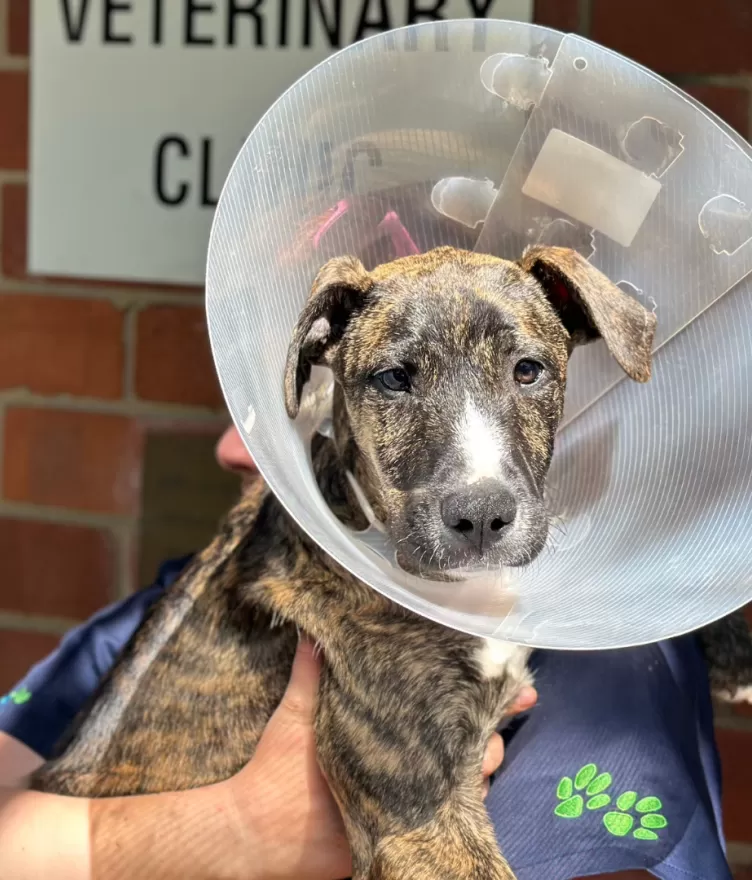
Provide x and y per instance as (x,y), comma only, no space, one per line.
(526,699)
(281,796)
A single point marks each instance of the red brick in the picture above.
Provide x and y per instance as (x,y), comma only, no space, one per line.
(678,36)
(173,359)
(83,461)
(562,15)
(53,345)
(18,26)
(13,230)
(743,710)
(731,104)
(59,570)
(14,100)
(14,261)
(735,747)
(19,651)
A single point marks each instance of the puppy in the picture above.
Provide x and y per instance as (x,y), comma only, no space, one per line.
(450,372)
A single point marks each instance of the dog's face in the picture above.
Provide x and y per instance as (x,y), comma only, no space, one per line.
(452,370)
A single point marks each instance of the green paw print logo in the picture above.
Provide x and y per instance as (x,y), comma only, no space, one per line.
(593,786)
(588,791)
(620,821)
(19,697)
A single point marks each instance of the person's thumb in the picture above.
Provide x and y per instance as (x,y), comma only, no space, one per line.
(298,705)
(284,751)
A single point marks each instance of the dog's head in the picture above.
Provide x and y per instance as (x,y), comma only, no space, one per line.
(451,368)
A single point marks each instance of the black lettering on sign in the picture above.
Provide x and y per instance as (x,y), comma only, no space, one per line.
(207,199)
(108,15)
(331,23)
(192,11)
(234,9)
(417,10)
(180,194)
(74,24)
(366,21)
(282,32)
(156,22)
(480,8)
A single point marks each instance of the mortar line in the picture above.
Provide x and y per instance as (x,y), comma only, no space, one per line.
(733,722)
(584,17)
(13,176)
(139,409)
(124,572)
(722,80)
(14,63)
(130,318)
(4,48)
(739,854)
(64,516)
(118,296)
(36,623)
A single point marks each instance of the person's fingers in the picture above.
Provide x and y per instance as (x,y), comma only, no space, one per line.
(494,755)
(526,699)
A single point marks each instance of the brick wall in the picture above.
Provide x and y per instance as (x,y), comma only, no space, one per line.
(89,372)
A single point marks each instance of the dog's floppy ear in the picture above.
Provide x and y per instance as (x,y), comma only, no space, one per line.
(340,288)
(591,307)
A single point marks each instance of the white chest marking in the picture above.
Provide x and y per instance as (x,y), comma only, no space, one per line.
(497,658)
(480,443)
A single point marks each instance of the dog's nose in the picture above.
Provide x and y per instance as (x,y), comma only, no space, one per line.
(480,513)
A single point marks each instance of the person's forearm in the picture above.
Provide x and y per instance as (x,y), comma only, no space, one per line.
(43,836)
(166,837)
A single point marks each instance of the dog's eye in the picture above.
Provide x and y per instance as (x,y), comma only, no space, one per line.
(396,380)
(527,372)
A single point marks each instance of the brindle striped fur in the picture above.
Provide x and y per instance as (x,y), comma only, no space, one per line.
(400,739)
(404,710)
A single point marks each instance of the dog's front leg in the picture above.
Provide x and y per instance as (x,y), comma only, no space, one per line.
(410,792)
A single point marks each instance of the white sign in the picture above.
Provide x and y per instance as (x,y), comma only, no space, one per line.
(139,108)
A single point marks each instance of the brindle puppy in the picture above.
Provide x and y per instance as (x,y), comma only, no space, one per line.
(450,374)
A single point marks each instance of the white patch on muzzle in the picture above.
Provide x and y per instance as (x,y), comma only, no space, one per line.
(481,445)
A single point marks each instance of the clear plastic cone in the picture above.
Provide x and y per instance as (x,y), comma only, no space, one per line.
(493,135)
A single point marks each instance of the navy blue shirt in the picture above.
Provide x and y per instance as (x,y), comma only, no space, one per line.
(615,769)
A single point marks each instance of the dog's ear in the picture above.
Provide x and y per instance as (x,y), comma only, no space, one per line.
(591,307)
(340,289)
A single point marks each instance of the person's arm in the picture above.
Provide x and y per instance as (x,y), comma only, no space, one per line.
(196,834)
(274,820)
(17,761)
